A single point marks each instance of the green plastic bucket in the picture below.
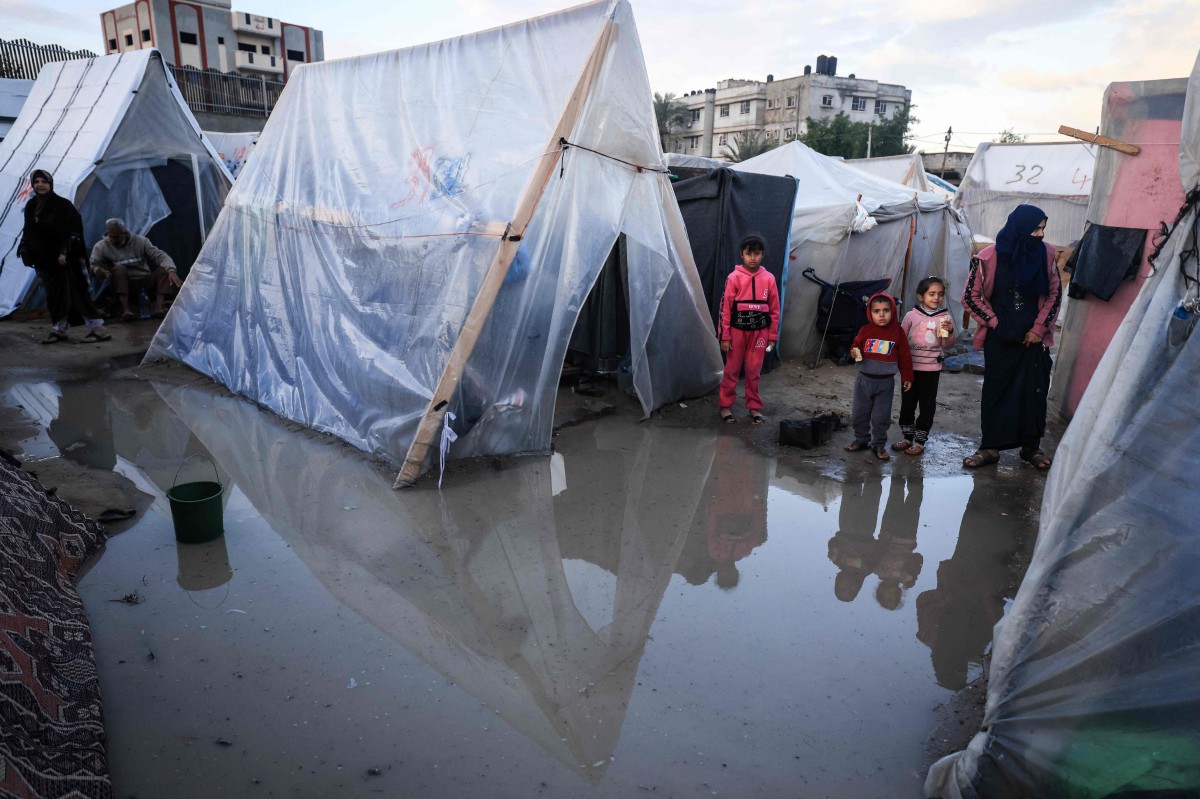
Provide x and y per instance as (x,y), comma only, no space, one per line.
(196,507)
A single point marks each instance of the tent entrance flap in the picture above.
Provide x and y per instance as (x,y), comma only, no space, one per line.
(601,338)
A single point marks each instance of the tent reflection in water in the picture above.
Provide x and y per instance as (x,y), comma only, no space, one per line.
(537,605)
(1093,690)
(342,276)
(121,142)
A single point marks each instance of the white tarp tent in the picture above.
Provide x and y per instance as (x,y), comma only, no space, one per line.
(1093,689)
(1054,176)
(234,148)
(13,93)
(908,170)
(340,280)
(120,141)
(849,225)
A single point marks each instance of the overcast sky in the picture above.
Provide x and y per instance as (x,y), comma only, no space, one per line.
(980,65)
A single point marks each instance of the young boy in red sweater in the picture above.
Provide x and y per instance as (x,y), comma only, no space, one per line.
(749,327)
(881,349)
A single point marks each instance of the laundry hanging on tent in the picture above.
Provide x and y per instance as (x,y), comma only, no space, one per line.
(1105,257)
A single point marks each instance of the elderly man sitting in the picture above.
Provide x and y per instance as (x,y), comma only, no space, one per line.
(129,257)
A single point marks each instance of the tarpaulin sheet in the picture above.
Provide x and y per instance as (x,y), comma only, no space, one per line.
(352,247)
(1056,177)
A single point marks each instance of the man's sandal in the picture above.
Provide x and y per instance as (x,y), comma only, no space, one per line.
(902,445)
(727,416)
(757,418)
(882,454)
(1036,458)
(982,457)
(915,449)
(53,337)
(856,446)
(96,338)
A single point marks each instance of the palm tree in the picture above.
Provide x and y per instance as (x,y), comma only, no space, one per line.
(670,111)
(746,144)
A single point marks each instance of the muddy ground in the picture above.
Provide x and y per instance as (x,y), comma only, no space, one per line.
(794,390)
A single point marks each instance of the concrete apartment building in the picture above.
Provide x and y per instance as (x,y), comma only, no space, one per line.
(209,34)
(780,109)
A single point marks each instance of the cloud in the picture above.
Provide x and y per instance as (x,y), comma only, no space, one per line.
(21,11)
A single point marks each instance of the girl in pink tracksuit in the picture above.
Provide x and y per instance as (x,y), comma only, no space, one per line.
(748,327)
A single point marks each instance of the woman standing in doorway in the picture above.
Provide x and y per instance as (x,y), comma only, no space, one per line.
(52,243)
(1013,292)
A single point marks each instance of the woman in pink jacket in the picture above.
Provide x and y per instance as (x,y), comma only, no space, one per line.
(1013,292)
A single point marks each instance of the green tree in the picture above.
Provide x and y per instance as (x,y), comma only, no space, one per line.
(840,136)
(1009,136)
(670,111)
(745,145)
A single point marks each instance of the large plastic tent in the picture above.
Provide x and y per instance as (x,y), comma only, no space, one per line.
(849,225)
(1056,177)
(906,169)
(120,141)
(1131,201)
(1093,689)
(418,229)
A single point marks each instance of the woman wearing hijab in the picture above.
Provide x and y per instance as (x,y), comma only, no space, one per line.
(52,243)
(1014,294)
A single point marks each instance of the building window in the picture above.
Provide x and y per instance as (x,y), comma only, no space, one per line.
(695,114)
(744,108)
(145,34)
(724,111)
(220,40)
(791,101)
(858,104)
(723,139)
(693,142)
(827,101)
(880,107)
(246,48)
(129,40)
(247,16)
(266,50)
(112,45)
(787,133)
(271,23)
(188,38)
(295,55)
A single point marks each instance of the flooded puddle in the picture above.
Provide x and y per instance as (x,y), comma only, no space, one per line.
(648,611)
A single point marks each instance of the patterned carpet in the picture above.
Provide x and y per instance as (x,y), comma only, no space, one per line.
(51,726)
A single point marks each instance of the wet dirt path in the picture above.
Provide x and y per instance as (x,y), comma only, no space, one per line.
(652,610)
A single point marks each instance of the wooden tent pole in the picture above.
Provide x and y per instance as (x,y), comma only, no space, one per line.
(427,431)
(1103,141)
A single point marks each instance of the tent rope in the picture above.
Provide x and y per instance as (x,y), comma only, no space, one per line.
(564,145)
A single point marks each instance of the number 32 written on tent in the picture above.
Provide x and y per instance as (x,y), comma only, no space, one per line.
(1035,171)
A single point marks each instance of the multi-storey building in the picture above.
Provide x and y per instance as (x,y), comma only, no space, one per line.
(209,34)
(779,110)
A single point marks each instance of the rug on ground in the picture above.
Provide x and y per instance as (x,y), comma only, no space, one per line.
(51,726)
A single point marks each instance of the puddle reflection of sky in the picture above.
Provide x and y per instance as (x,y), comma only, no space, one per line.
(683,613)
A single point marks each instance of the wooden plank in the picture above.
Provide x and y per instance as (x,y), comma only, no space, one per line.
(1103,141)
(431,423)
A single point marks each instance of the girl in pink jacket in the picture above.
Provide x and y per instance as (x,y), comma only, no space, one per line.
(748,327)
(930,330)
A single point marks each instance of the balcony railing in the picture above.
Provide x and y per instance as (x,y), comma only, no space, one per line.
(226,93)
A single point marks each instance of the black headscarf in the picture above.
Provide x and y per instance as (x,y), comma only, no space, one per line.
(1023,253)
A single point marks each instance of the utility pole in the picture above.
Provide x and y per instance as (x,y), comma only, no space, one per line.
(946,152)
(870,130)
